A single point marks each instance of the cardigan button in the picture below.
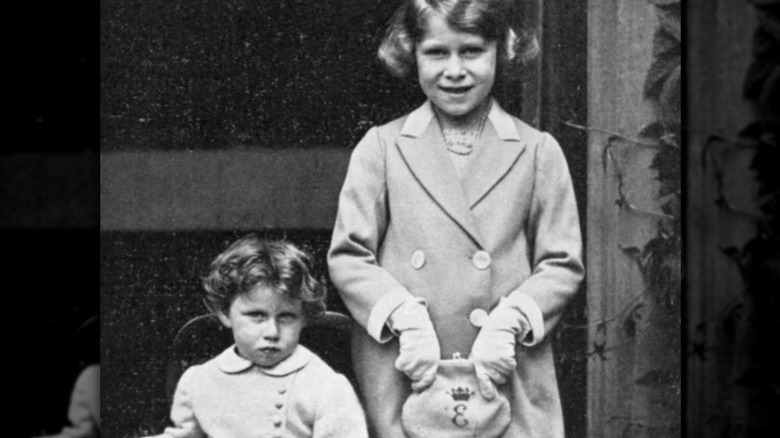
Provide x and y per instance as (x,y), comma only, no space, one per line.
(277,420)
(477,317)
(481,260)
(279,405)
(418,259)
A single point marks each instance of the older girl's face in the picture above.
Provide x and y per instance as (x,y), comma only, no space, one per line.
(456,69)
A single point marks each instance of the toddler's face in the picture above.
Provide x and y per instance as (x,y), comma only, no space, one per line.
(266,325)
(456,70)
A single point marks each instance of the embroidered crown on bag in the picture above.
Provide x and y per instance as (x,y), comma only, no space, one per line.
(461,394)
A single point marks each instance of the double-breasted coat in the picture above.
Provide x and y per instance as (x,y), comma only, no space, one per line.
(409,225)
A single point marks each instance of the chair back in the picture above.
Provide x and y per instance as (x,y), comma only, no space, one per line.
(204,337)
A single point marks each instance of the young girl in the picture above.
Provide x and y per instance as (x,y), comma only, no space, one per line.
(457,230)
(266,384)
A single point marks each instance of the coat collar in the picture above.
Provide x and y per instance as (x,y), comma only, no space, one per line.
(417,122)
(422,146)
(231,363)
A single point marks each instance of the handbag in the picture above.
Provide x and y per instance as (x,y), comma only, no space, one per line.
(453,406)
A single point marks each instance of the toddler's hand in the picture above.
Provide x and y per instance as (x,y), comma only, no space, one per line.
(419,351)
(493,352)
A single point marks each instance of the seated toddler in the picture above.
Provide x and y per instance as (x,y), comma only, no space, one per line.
(265,384)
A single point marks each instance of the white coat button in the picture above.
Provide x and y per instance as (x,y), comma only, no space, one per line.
(477,317)
(277,420)
(481,260)
(418,259)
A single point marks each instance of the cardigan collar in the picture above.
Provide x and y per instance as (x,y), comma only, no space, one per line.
(418,120)
(231,363)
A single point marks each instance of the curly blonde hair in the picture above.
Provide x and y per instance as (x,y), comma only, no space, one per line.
(276,264)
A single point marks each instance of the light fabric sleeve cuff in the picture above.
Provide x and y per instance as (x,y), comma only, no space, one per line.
(531,310)
(377,319)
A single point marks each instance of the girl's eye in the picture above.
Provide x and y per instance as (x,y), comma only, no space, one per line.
(473,51)
(258,316)
(287,317)
(434,52)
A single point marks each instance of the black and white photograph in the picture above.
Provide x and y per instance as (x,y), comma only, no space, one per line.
(433,218)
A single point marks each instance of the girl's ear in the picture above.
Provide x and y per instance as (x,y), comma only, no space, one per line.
(223,318)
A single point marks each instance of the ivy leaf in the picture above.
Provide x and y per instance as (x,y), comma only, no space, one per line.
(632,252)
(654,129)
(601,327)
(731,321)
(765,165)
(672,208)
(751,131)
(666,58)
(732,252)
(669,13)
(761,77)
(667,164)
(630,324)
(600,349)
(662,2)
(741,257)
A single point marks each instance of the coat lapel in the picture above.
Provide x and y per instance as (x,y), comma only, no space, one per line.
(422,148)
(499,149)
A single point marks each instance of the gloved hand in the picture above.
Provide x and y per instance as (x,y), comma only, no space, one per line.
(493,351)
(419,351)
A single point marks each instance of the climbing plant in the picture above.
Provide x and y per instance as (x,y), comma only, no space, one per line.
(750,321)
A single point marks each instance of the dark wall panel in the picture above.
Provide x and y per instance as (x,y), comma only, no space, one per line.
(241,73)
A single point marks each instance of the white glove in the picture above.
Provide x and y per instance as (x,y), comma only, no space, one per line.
(493,351)
(419,351)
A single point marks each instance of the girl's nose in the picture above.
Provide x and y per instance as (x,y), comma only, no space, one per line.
(271,329)
(454,68)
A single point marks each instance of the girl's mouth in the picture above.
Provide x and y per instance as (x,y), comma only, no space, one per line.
(455,90)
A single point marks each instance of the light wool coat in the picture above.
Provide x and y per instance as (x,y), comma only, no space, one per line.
(408,225)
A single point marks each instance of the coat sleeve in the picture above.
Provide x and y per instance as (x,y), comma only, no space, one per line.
(369,291)
(554,233)
(339,414)
(185,424)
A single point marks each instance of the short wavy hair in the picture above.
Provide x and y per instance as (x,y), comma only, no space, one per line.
(277,264)
(491,19)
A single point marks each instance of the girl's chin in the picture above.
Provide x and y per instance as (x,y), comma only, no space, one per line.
(456,111)
(268,362)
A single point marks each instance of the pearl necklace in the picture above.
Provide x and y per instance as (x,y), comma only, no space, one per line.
(461,141)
